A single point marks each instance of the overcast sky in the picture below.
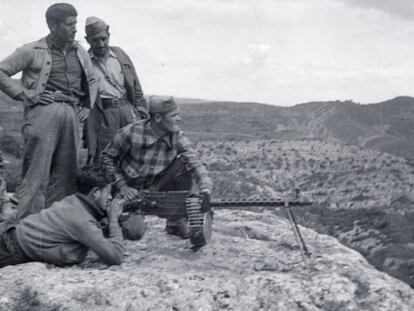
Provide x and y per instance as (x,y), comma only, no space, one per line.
(281,52)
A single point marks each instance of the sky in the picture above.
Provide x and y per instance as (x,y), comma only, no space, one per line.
(279,52)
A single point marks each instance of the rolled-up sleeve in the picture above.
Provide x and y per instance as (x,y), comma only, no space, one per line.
(193,162)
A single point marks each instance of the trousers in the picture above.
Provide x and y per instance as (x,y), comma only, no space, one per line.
(114,117)
(10,250)
(51,144)
(174,178)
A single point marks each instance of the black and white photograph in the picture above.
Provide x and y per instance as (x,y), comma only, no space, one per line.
(208,155)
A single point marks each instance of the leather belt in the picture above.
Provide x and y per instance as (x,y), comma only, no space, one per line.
(113,102)
(59,97)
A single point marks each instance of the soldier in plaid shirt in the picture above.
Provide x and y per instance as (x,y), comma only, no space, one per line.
(154,154)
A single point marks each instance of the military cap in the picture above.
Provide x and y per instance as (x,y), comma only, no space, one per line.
(161,104)
(94,25)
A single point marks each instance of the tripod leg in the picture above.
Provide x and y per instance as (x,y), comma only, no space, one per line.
(298,237)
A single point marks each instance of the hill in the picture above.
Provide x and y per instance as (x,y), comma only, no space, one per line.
(387,126)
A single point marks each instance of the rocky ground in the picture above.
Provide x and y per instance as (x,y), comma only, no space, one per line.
(252,263)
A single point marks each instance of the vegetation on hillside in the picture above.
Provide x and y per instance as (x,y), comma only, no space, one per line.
(364,197)
(386,126)
(332,174)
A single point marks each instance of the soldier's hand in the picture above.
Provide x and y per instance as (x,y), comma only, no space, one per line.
(128,192)
(83,114)
(47,97)
(116,209)
(205,192)
(19,97)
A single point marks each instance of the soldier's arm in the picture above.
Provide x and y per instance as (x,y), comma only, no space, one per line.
(140,102)
(10,66)
(111,249)
(112,155)
(193,161)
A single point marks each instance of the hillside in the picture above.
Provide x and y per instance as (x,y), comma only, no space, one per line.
(335,175)
(386,126)
(252,263)
(363,197)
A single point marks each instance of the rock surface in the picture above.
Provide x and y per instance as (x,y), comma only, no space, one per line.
(252,263)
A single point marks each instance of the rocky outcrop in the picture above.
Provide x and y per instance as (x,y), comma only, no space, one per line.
(252,263)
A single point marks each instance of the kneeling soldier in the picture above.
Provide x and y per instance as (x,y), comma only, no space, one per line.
(154,154)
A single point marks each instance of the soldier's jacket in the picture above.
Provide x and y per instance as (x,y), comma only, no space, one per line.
(134,96)
(34,60)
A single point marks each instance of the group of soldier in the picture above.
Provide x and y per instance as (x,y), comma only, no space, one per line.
(133,144)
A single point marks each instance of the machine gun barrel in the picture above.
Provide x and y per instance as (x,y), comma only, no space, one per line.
(172,203)
(228,203)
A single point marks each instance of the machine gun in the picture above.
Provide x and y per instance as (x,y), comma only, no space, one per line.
(198,209)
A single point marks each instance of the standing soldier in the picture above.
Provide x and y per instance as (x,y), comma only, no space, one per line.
(57,89)
(120,99)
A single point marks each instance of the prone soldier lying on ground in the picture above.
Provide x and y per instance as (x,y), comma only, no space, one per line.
(63,233)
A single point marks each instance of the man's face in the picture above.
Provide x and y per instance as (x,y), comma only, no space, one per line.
(65,30)
(103,197)
(171,121)
(99,43)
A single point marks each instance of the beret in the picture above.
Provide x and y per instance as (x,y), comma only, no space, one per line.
(161,104)
(94,25)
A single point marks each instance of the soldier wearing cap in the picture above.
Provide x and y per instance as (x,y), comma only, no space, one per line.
(120,99)
(57,88)
(154,154)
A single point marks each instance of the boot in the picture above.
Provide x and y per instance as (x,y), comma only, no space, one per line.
(178,227)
